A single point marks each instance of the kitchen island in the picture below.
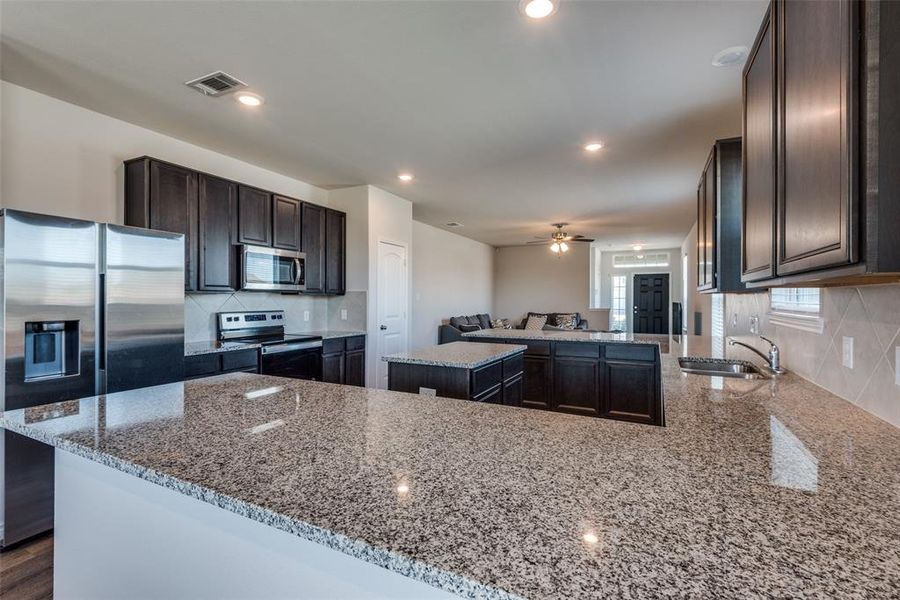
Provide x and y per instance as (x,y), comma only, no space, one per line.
(615,376)
(246,485)
(481,372)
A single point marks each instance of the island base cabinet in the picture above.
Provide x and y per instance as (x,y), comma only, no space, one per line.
(512,391)
(575,385)
(111,527)
(630,392)
(536,387)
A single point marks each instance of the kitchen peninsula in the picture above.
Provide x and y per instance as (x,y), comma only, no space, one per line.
(324,485)
(616,376)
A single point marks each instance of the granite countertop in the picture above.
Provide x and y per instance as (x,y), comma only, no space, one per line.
(575,335)
(214,346)
(461,355)
(771,488)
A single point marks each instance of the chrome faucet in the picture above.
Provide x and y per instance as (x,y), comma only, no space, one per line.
(773,360)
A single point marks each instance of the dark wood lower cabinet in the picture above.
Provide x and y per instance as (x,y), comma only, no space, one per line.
(207,365)
(576,385)
(497,382)
(344,360)
(629,391)
(536,387)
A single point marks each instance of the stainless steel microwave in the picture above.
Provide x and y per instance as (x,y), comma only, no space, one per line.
(272,269)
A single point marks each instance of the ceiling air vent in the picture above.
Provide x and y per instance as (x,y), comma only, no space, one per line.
(216,84)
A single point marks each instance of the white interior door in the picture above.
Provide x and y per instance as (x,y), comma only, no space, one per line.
(393,299)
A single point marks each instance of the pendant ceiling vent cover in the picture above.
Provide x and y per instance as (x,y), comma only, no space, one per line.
(216,84)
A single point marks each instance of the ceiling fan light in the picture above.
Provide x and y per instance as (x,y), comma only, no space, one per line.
(563,247)
(554,247)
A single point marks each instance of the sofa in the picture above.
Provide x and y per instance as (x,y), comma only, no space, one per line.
(452,330)
(551,325)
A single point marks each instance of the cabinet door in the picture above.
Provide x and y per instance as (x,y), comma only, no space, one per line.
(512,391)
(576,385)
(758,245)
(629,391)
(217,217)
(701,233)
(313,238)
(335,244)
(286,223)
(173,207)
(536,393)
(706,225)
(355,368)
(333,368)
(817,138)
(254,216)
(491,396)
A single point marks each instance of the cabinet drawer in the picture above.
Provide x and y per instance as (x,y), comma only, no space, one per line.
(513,366)
(357,342)
(538,348)
(239,359)
(486,377)
(493,395)
(631,352)
(333,345)
(578,349)
(200,365)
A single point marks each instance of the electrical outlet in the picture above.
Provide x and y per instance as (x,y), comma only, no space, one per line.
(847,348)
(343,314)
(427,391)
(734,321)
(754,325)
(306,315)
(897,365)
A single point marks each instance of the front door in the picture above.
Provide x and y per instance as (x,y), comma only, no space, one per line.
(393,293)
(651,303)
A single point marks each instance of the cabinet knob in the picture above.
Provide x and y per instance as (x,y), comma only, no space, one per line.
(383,327)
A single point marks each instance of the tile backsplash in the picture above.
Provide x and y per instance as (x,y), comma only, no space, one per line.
(324,312)
(870,315)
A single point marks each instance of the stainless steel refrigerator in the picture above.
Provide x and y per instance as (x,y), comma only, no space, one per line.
(88,308)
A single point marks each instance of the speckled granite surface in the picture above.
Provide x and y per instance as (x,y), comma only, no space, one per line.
(328,334)
(214,346)
(461,355)
(562,336)
(754,489)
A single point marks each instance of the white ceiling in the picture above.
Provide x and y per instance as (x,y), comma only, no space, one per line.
(487,108)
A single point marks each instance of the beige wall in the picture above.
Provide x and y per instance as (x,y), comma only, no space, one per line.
(62,159)
(355,202)
(531,278)
(870,315)
(452,275)
(696,302)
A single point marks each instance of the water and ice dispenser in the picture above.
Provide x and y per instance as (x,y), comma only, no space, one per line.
(51,349)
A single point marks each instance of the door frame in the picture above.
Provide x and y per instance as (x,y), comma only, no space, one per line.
(668,308)
(374,327)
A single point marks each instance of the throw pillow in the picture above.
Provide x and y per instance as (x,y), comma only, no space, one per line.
(469,328)
(484,321)
(500,324)
(566,320)
(458,321)
(536,322)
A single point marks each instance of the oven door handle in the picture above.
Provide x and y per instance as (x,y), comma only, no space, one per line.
(279,348)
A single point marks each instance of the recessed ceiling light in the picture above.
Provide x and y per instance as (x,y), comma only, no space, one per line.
(593,146)
(731,57)
(406,177)
(538,9)
(637,247)
(249,98)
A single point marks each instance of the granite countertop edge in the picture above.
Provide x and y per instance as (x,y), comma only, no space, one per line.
(455,364)
(558,336)
(382,557)
(209,346)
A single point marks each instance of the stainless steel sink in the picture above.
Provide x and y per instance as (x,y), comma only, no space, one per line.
(719,367)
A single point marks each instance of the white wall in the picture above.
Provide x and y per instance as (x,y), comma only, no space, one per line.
(606,271)
(62,159)
(697,302)
(355,202)
(451,275)
(531,278)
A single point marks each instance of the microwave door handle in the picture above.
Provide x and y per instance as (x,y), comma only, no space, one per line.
(298,271)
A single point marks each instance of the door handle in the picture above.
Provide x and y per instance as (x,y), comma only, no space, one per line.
(383,327)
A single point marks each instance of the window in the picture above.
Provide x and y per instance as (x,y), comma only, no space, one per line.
(639,261)
(798,308)
(617,315)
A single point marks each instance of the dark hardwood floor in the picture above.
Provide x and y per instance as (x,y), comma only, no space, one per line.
(26,572)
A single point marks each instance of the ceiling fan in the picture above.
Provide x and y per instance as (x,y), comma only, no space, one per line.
(559,241)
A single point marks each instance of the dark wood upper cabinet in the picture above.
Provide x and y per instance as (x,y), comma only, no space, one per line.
(335,244)
(313,240)
(217,225)
(162,196)
(759,190)
(286,223)
(707,236)
(817,205)
(719,219)
(702,281)
(254,216)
